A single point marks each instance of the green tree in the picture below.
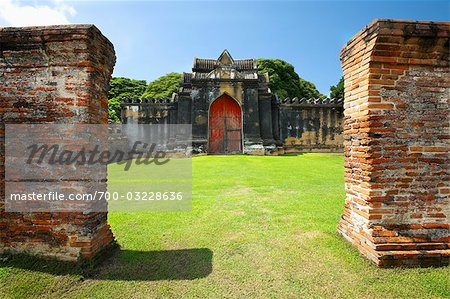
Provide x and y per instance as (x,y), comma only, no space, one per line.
(285,82)
(119,88)
(164,86)
(309,90)
(337,91)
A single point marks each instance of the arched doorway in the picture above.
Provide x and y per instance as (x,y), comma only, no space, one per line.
(225,126)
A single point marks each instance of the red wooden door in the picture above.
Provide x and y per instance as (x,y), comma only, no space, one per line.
(225,126)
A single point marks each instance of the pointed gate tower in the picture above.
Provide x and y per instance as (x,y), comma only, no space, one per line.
(229,105)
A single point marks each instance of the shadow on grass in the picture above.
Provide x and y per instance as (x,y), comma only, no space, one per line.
(184,264)
(290,155)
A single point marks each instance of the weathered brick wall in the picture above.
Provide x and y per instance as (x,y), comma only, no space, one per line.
(397,100)
(56,74)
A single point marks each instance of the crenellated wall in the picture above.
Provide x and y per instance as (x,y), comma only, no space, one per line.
(397,140)
(268,127)
(293,125)
(312,125)
(54,74)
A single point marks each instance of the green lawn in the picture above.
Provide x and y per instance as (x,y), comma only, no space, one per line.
(259,227)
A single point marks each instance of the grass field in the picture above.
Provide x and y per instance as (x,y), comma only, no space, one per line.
(259,227)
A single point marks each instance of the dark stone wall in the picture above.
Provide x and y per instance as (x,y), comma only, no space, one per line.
(251,117)
(269,125)
(202,95)
(265,119)
(312,126)
(149,111)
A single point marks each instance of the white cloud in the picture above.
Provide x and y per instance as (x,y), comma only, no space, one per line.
(17,13)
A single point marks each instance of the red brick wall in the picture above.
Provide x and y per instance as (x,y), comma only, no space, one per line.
(56,74)
(397,135)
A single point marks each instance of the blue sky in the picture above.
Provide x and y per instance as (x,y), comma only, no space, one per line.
(152,38)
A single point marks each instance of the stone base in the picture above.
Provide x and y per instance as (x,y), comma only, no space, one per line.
(199,147)
(255,149)
(312,149)
(274,150)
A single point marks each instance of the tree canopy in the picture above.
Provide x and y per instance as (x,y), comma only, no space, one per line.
(120,88)
(308,90)
(337,91)
(164,86)
(285,82)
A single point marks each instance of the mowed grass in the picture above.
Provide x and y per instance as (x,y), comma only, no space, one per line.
(259,227)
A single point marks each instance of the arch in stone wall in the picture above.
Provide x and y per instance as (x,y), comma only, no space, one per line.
(225,125)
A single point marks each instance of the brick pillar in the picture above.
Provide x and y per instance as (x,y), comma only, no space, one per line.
(55,74)
(397,90)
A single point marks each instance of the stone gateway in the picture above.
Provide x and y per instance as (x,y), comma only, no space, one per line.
(232,110)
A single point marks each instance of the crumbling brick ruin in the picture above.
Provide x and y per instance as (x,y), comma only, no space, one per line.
(55,74)
(396,132)
(397,100)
